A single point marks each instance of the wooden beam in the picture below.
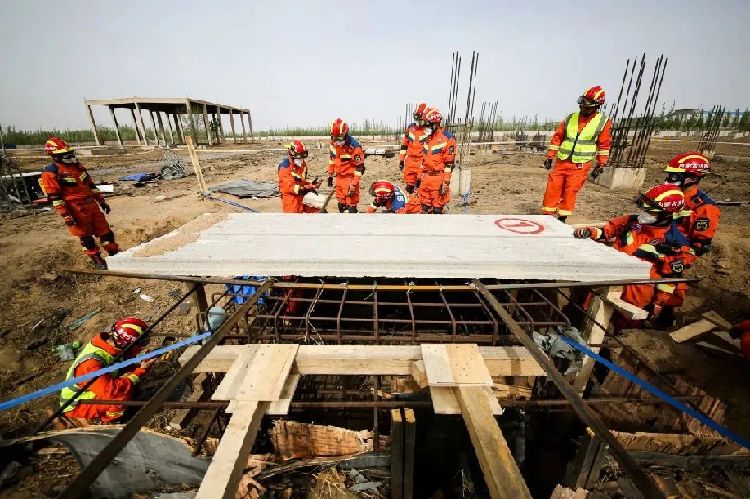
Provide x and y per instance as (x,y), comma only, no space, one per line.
(601,311)
(693,331)
(117,125)
(266,376)
(227,464)
(196,164)
(397,454)
(93,125)
(207,126)
(501,474)
(628,310)
(281,407)
(135,127)
(142,124)
(717,319)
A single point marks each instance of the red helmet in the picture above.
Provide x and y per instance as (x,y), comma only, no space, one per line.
(127,331)
(665,197)
(339,129)
(56,145)
(382,190)
(297,150)
(433,116)
(419,111)
(689,162)
(593,96)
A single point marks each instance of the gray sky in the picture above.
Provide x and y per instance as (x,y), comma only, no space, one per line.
(305,63)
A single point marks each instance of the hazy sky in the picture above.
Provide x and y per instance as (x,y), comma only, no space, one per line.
(306,62)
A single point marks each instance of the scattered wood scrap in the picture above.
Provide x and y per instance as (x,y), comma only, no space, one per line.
(678,444)
(627,310)
(293,440)
(693,331)
(717,319)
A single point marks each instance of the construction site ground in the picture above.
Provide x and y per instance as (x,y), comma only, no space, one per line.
(39,299)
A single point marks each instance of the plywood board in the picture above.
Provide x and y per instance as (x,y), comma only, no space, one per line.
(419,246)
(235,376)
(455,364)
(444,400)
(266,375)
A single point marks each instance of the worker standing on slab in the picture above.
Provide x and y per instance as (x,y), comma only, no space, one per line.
(347,162)
(410,155)
(390,198)
(439,157)
(293,184)
(100,352)
(652,235)
(686,171)
(75,197)
(579,139)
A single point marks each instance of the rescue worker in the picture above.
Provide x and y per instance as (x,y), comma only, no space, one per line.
(439,156)
(103,351)
(347,162)
(75,197)
(686,171)
(293,184)
(410,155)
(579,139)
(391,199)
(653,235)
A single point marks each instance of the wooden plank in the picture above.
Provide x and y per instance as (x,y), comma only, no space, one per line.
(235,376)
(693,331)
(267,373)
(628,310)
(419,373)
(594,335)
(227,464)
(444,400)
(501,474)
(468,365)
(196,164)
(397,454)
(393,360)
(717,319)
(281,407)
(437,365)
(410,437)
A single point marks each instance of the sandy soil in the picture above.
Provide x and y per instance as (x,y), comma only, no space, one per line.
(37,249)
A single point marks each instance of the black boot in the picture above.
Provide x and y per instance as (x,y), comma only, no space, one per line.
(352,209)
(98,262)
(562,218)
(342,207)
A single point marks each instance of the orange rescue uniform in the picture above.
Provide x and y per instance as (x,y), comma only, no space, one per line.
(106,387)
(348,163)
(74,194)
(411,152)
(566,178)
(703,221)
(292,178)
(439,150)
(666,248)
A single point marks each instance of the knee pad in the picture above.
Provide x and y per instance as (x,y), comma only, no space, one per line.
(89,243)
(352,209)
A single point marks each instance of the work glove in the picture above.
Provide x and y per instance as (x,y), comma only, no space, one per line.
(105,207)
(69,220)
(582,233)
(548,163)
(352,190)
(410,188)
(330,181)
(598,169)
(444,187)
(304,190)
(401,165)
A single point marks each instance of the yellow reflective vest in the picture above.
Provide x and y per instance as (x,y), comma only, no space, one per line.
(581,147)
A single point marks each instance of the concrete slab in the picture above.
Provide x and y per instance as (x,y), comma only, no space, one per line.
(345,245)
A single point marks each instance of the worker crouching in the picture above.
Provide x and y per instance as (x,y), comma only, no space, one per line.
(347,162)
(390,199)
(102,351)
(75,197)
(293,184)
(653,235)
(439,157)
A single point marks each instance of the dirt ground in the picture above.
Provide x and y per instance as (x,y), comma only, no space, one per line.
(40,299)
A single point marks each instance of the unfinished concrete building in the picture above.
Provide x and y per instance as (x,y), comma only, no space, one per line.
(175,111)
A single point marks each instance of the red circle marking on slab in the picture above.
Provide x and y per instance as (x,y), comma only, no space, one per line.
(519,225)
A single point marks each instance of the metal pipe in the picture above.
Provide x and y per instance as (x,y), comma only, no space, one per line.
(79,486)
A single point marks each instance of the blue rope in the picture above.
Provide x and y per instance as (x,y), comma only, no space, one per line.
(8,404)
(662,395)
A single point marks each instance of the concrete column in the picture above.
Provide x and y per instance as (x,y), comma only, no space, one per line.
(189,106)
(117,125)
(242,122)
(153,123)
(178,128)
(143,125)
(93,125)
(250,123)
(231,124)
(161,127)
(222,139)
(207,125)
(135,127)
(169,127)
